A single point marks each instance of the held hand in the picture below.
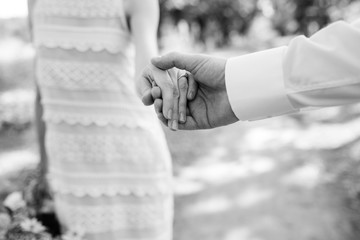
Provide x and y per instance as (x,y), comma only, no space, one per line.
(210,106)
(173,110)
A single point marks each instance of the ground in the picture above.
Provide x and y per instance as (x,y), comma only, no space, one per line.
(252,181)
(265,180)
(283,178)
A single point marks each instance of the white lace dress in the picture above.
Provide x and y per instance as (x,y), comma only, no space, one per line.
(109,165)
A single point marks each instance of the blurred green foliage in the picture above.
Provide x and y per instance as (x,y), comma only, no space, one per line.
(306,16)
(219,19)
(15,69)
(211,18)
(15,27)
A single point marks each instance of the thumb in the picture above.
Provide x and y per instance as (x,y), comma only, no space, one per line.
(144,86)
(187,62)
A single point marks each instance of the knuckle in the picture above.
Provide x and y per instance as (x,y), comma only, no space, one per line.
(191,82)
(173,54)
(168,84)
(161,118)
(182,106)
(157,104)
(157,108)
(146,72)
(176,92)
(168,92)
(156,92)
(183,85)
(182,102)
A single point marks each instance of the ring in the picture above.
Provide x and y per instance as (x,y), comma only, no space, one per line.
(184,75)
(153,83)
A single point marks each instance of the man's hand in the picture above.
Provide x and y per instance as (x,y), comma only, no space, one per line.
(210,106)
(173,110)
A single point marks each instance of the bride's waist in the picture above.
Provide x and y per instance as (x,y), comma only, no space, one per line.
(129,116)
(88,96)
(92,100)
(99,108)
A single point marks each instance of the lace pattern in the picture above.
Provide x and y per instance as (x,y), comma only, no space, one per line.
(161,188)
(101,148)
(88,119)
(118,217)
(91,134)
(80,8)
(71,75)
(81,39)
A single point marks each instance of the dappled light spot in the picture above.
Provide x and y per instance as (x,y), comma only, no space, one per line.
(269,227)
(17,107)
(16,161)
(186,187)
(13,50)
(18,96)
(307,176)
(256,164)
(212,205)
(214,155)
(330,136)
(355,151)
(13,9)
(241,233)
(252,196)
(259,139)
(215,173)
(212,169)
(318,136)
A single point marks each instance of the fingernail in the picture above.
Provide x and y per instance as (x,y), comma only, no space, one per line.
(175,125)
(191,94)
(170,114)
(182,117)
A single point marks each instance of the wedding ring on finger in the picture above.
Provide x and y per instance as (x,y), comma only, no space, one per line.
(185,75)
(153,83)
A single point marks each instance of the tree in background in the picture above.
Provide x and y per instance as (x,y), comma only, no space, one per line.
(211,19)
(306,16)
(218,20)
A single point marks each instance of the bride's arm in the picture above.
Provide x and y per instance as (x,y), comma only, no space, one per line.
(41,188)
(40,125)
(143,22)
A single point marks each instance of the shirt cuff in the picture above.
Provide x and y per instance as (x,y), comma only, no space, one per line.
(255,85)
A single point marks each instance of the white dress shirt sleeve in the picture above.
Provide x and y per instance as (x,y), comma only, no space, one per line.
(320,71)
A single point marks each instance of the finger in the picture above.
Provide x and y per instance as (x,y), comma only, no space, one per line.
(189,125)
(163,80)
(158,109)
(193,87)
(144,87)
(175,116)
(183,89)
(158,106)
(156,92)
(183,61)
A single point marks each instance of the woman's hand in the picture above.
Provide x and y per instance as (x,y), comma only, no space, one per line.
(210,106)
(171,107)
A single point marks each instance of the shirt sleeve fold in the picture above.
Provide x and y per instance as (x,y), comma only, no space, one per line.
(320,71)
